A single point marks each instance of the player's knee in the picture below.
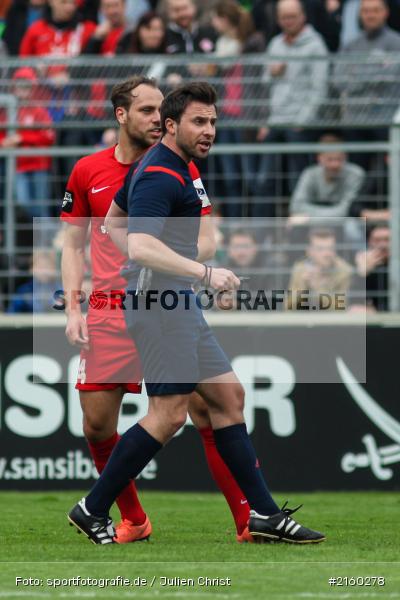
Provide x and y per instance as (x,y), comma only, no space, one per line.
(177,421)
(95,431)
(198,411)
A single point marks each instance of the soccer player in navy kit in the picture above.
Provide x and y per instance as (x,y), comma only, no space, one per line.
(161,192)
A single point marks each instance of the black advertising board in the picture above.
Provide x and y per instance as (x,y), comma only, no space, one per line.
(341,435)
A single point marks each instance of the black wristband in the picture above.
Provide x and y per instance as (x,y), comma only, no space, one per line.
(203,280)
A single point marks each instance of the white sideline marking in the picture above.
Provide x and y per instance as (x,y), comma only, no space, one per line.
(128,594)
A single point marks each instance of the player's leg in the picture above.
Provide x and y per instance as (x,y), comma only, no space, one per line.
(137,446)
(224,479)
(225,398)
(101,409)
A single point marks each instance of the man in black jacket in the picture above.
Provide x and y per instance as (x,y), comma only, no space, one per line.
(184,34)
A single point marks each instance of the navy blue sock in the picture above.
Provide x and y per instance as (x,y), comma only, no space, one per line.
(134,450)
(235,447)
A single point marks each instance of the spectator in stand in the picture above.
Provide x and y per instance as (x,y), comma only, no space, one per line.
(147,38)
(372,267)
(245,259)
(370,90)
(33,182)
(37,295)
(297,89)
(58,33)
(351,21)
(323,15)
(184,34)
(321,272)
(327,189)
(236,36)
(21,14)
(107,34)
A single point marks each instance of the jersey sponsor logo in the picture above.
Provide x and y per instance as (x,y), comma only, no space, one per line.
(68,201)
(201,192)
(96,191)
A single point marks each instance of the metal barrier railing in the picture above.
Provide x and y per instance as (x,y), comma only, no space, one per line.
(391,148)
(354,91)
(340,90)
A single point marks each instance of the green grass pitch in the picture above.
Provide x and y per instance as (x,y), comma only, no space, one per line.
(194,537)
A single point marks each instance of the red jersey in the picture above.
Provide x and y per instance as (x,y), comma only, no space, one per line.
(91,188)
(44,39)
(33,137)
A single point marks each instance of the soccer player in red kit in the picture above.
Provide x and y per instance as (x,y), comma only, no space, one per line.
(110,366)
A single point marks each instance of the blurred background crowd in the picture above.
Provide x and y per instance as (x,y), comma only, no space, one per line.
(322,72)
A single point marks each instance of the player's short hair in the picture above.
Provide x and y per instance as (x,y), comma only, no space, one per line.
(121,94)
(177,101)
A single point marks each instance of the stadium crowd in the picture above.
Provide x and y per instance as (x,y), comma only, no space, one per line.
(321,201)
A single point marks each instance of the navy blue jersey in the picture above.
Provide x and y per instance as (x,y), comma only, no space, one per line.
(163,202)
(121,197)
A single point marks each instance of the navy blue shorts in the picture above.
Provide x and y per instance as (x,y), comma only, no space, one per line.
(177,348)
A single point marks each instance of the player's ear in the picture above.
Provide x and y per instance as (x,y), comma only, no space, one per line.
(170,126)
(121,115)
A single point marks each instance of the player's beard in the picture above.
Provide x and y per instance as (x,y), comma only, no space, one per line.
(140,141)
(191,150)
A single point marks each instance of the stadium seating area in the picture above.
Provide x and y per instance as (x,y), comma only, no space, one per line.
(295,83)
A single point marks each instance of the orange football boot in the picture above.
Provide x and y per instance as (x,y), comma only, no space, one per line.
(245,537)
(126,531)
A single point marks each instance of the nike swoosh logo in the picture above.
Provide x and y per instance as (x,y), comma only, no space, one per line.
(243,502)
(94,191)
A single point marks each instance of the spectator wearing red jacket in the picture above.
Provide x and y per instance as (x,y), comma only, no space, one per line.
(33,181)
(107,34)
(59,33)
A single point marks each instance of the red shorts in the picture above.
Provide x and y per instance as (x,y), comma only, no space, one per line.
(112,361)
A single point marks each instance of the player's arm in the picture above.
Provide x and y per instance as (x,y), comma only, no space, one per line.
(116,223)
(73,268)
(150,203)
(207,243)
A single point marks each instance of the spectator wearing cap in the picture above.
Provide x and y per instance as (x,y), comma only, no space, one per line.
(33,181)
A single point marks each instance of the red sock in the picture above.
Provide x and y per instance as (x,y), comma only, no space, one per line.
(225,481)
(128,501)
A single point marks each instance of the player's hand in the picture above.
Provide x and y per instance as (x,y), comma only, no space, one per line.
(77,331)
(223,279)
